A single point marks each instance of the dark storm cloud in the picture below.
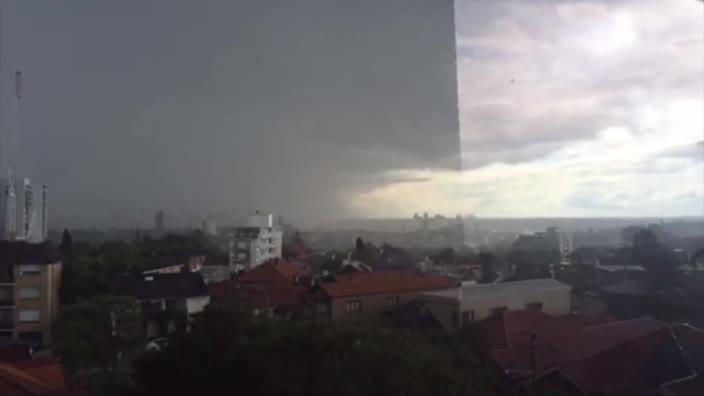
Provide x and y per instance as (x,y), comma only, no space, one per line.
(220,107)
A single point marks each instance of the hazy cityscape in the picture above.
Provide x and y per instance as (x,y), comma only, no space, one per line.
(378,197)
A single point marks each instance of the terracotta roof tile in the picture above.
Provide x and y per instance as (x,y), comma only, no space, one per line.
(272,271)
(364,283)
(602,359)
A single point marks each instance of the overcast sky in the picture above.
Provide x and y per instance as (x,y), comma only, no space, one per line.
(322,109)
(571,108)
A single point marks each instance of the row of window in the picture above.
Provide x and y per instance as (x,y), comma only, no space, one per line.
(25,315)
(24,293)
(355,306)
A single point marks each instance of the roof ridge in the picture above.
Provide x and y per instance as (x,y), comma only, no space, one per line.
(17,373)
(619,322)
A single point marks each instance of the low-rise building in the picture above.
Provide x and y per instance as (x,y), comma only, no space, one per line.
(536,353)
(277,286)
(165,299)
(30,276)
(174,264)
(471,302)
(365,294)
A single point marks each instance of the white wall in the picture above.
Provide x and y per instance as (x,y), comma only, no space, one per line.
(555,301)
(197,304)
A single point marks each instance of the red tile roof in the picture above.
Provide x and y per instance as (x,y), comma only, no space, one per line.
(34,377)
(600,359)
(364,283)
(47,371)
(272,271)
(272,284)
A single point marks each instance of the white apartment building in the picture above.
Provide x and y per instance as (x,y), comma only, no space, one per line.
(257,243)
(469,303)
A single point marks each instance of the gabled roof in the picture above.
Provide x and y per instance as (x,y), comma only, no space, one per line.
(157,286)
(34,377)
(603,359)
(272,271)
(364,283)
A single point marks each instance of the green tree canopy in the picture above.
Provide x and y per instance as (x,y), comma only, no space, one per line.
(227,352)
(99,333)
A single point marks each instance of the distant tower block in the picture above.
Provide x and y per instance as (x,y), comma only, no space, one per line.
(27,209)
(45,213)
(159,221)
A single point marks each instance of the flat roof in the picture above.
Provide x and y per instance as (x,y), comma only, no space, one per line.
(493,289)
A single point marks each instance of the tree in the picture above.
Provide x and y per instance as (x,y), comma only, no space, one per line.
(447,256)
(66,244)
(227,351)
(359,244)
(656,258)
(100,333)
(487,262)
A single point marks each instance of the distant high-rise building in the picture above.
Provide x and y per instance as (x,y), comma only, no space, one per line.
(159,221)
(45,213)
(27,210)
(210,227)
(9,206)
(18,218)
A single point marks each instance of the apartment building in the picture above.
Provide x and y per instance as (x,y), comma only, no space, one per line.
(30,276)
(257,243)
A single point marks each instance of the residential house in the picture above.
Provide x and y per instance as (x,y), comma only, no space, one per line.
(30,275)
(365,294)
(542,354)
(165,299)
(276,286)
(174,264)
(691,340)
(473,302)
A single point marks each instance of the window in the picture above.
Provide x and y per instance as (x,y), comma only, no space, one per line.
(6,319)
(28,293)
(35,336)
(455,319)
(391,301)
(6,295)
(354,306)
(29,315)
(497,310)
(467,317)
(535,306)
(30,269)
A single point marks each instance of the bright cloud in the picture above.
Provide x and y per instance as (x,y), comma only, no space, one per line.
(598,112)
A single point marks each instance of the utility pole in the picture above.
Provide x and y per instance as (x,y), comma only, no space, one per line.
(533,382)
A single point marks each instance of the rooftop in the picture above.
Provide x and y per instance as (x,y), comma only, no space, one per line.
(602,359)
(364,283)
(157,286)
(272,271)
(17,252)
(493,289)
